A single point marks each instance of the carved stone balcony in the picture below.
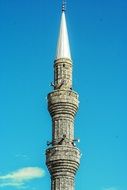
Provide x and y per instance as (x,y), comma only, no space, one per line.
(62,160)
(63,102)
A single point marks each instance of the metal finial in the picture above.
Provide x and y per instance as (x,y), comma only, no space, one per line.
(64,5)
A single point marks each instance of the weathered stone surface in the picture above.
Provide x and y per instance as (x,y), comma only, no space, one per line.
(63,183)
(62,158)
(63,102)
(63,73)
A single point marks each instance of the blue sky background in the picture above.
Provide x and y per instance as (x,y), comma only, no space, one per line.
(98,38)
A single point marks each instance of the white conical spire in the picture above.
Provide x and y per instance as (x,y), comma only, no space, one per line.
(63,47)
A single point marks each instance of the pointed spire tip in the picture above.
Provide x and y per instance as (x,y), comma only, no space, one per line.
(63,46)
(63,6)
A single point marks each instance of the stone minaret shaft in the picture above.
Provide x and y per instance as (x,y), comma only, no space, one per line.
(62,156)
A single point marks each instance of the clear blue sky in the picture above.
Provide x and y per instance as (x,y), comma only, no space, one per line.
(98,38)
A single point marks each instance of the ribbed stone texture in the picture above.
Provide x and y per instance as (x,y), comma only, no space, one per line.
(62,157)
(63,105)
(63,183)
(63,74)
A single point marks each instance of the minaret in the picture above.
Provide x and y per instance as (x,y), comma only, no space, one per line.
(62,155)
